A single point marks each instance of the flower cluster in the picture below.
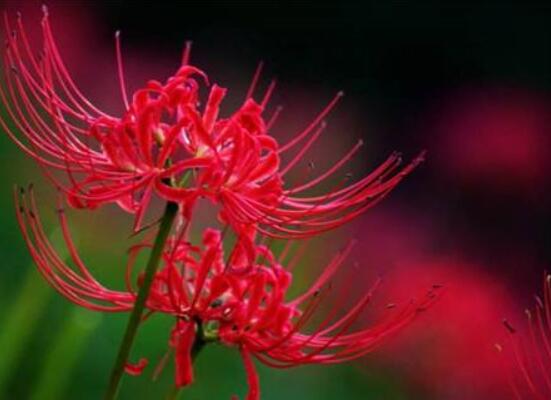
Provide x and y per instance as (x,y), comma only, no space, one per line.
(226,299)
(173,144)
(165,145)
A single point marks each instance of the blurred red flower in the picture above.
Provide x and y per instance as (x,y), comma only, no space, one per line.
(495,137)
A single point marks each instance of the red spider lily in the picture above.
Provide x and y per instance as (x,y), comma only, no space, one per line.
(527,355)
(166,144)
(240,305)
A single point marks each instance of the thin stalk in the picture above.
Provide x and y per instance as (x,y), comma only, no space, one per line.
(135,317)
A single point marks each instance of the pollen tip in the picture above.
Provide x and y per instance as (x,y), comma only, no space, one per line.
(539,302)
(361,142)
(45,9)
(18,14)
(117,33)
(528,313)
(498,347)
(340,93)
(508,326)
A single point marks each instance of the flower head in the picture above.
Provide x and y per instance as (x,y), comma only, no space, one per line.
(229,300)
(527,354)
(166,144)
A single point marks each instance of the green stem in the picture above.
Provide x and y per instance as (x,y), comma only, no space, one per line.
(196,349)
(135,317)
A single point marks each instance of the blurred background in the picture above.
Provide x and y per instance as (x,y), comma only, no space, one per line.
(470,82)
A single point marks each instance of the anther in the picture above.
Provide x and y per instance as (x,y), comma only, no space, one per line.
(216,303)
(508,326)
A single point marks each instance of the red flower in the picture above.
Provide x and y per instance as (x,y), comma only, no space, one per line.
(165,144)
(527,354)
(238,304)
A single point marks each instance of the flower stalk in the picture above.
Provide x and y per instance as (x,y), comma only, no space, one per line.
(167,221)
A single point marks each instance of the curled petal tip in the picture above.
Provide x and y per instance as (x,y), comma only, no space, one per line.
(136,369)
